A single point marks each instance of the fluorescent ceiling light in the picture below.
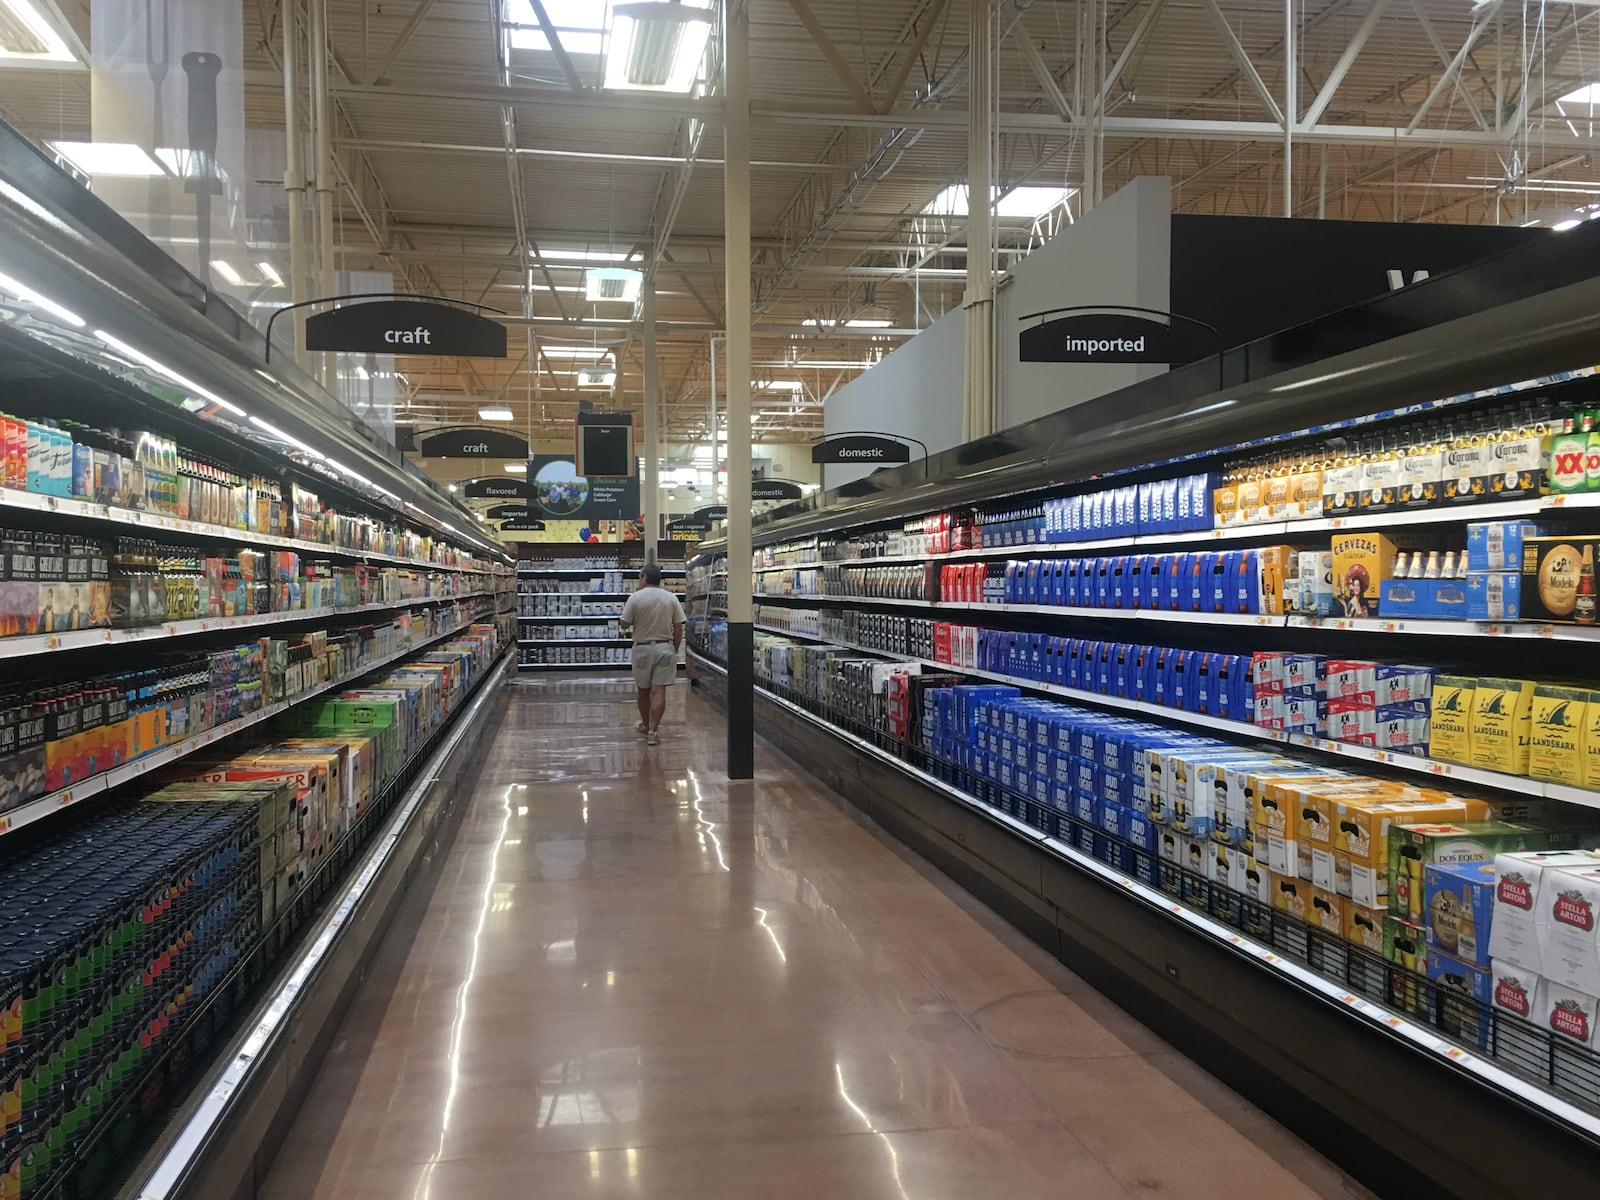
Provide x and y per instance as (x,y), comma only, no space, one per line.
(224,268)
(1589,93)
(858,323)
(270,273)
(495,413)
(32,297)
(575,351)
(109,158)
(516,468)
(597,377)
(598,256)
(161,368)
(1023,203)
(612,284)
(657,46)
(780,385)
(26,36)
(1569,223)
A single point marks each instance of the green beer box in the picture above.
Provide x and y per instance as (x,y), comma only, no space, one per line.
(1414,848)
(380,715)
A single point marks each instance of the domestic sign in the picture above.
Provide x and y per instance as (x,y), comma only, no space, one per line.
(774,489)
(1104,334)
(525,525)
(858,448)
(406,327)
(495,488)
(507,512)
(557,490)
(710,514)
(473,443)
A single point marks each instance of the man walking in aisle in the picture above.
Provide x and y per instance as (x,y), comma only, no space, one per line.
(655,619)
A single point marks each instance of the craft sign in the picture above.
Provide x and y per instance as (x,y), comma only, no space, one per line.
(406,327)
(1108,334)
(473,443)
(860,448)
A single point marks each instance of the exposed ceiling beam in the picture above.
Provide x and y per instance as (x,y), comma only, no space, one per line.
(403,38)
(819,35)
(563,59)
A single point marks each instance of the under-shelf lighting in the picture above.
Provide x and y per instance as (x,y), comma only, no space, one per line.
(495,412)
(274,431)
(109,158)
(620,284)
(24,292)
(1569,223)
(161,368)
(27,36)
(657,46)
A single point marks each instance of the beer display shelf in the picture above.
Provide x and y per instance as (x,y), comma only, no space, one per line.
(1415,626)
(1378,1017)
(523,573)
(569,620)
(106,781)
(578,641)
(30,645)
(154,522)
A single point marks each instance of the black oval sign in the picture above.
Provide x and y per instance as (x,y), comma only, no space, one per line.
(860,448)
(1100,334)
(507,512)
(711,513)
(405,327)
(495,488)
(526,525)
(473,443)
(774,489)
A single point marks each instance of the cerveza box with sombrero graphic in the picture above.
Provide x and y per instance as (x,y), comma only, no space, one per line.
(1361,563)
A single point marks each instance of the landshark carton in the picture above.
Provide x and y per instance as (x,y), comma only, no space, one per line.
(1502,711)
(1557,729)
(1450,718)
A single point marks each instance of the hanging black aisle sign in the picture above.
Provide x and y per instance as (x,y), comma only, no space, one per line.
(495,488)
(406,327)
(507,512)
(859,448)
(710,514)
(523,525)
(687,529)
(473,443)
(774,489)
(1111,333)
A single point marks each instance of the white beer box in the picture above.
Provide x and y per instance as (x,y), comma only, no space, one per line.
(1570,1012)
(1517,991)
(1569,941)
(1519,878)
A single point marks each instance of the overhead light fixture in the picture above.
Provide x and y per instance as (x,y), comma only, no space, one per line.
(271,273)
(597,377)
(109,158)
(450,486)
(1589,93)
(495,413)
(597,256)
(657,46)
(620,284)
(161,368)
(516,468)
(574,351)
(1020,203)
(1569,223)
(856,323)
(780,385)
(224,268)
(24,292)
(27,36)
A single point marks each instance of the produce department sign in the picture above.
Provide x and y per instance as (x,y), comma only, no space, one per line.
(1112,334)
(860,448)
(557,490)
(406,327)
(473,443)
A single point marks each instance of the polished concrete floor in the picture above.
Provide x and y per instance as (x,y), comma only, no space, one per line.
(630,982)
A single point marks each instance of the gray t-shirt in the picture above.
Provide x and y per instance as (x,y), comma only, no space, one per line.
(652,611)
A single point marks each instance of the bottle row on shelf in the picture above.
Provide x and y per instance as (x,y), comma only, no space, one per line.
(120,928)
(573,656)
(1491,903)
(567,604)
(53,583)
(57,736)
(144,472)
(580,631)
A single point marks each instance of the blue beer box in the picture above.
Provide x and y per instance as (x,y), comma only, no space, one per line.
(1061,796)
(1113,818)
(1083,837)
(1144,868)
(1085,807)
(1141,832)
(1117,788)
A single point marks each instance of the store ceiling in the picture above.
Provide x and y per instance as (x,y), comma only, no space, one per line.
(860,118)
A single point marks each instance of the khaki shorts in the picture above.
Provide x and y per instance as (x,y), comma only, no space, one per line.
(654,665)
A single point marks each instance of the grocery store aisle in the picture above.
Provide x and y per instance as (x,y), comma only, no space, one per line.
(629,983)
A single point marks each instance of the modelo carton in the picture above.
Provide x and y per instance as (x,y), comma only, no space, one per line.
(1502,711)
(1292,895)
(1458,903)
(1558,724)
(1568,923)
(1551,575)
(1464,992)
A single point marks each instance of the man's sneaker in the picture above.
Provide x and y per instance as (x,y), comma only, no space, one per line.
(652,738)
(641,727)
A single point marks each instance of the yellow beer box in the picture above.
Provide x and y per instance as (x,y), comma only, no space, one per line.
(1361,562)
(1361,827)
(1591,744)
(1279,803)
(1292,895)
(1558,727)
(1502,713)
(1363,926)
(1328,913)
(1450,718)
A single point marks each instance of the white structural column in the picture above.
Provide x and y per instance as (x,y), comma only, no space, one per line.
(322,117)
(1291,68)
(978,415)
(652,424)
(736,256)
(294,177)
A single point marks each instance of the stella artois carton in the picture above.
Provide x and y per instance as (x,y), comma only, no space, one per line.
(1569,1012)
(1517,991)
(1569,929)
(1520,879)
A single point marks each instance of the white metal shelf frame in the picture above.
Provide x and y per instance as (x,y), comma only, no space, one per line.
(44,806)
